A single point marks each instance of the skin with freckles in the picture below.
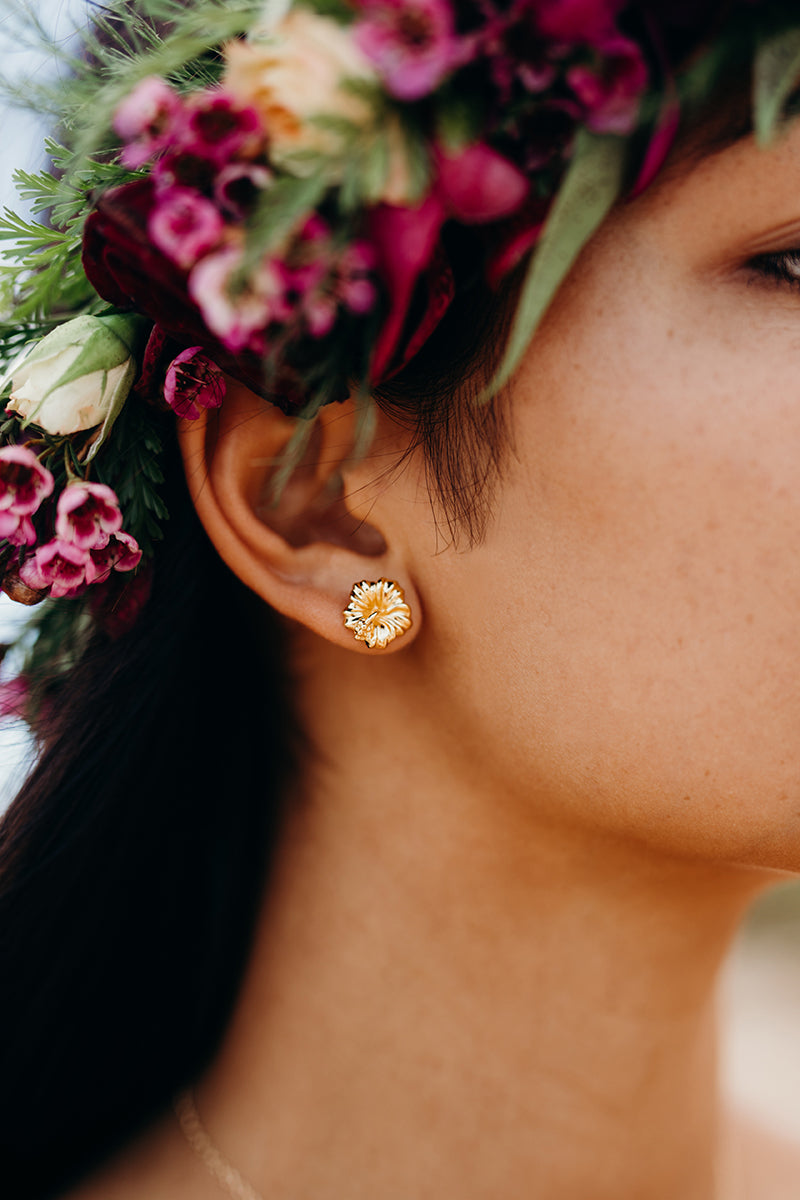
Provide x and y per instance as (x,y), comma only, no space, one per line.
(486,961)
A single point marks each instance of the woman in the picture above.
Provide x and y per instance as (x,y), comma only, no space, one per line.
(510,844)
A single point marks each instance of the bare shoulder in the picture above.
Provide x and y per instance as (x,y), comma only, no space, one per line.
(770,1161)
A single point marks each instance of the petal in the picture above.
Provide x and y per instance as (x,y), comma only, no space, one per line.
(480,185)
(404,240)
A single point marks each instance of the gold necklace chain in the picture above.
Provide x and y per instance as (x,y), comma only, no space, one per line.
(196,1134)
(728,1180)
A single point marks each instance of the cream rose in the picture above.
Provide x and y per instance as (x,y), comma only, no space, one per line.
(292,72)
(77,377)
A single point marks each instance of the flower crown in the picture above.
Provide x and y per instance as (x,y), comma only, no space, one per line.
(264,195)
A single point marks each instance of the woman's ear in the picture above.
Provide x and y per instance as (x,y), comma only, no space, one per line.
(301,546)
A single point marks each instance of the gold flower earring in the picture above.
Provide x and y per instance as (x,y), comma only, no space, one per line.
(377,613)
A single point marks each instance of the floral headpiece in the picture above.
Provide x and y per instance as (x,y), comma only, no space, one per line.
(266,194)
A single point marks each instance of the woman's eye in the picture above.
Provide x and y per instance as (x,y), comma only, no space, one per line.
(782,267)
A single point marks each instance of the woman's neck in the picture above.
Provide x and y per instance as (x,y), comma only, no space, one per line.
(446,998)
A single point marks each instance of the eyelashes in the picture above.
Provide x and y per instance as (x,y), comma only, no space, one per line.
(782,267)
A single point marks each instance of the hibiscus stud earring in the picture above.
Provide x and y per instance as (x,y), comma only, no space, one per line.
(377,613)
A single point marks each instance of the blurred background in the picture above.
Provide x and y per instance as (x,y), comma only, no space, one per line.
(760,986)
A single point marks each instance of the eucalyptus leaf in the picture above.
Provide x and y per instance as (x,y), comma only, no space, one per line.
(418,163)
(591,186)
(120,396)
(278,211)
(776,73)
(459,122)
(375,170)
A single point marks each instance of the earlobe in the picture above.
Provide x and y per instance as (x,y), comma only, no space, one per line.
(305,550)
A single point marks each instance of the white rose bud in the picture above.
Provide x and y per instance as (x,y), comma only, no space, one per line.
(78,376)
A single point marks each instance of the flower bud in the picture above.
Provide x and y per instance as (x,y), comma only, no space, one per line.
(78,376)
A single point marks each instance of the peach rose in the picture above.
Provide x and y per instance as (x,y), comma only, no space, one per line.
(293,72)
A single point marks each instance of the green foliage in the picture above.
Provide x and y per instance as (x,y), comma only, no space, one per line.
(278,210)
(776,74)
(132,467)
(460,119)
(591,186)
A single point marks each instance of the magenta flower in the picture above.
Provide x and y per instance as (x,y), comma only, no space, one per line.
(412,44)
(354,285)
(405,240)
(87,515)
(24,482)
(610,92)
(479,185)
(219,128)
(145,120)
(121,553)
(184,225)
(575,21)
(237,316)
(320,276)
(59,566)
(17,529)
(180,169)
(193,383)
(237,185)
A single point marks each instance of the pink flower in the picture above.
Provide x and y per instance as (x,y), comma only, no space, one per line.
(17,529)
(320,276)
(237,315)
(87,515)
(180,169)
(411,43)
(122,553)
(219,128)
(145,120)
(24,482)
(193,383)
(184,225)
(405,241)
(237,186)
(479,185)
(354,286)
(610,92)
(59,566)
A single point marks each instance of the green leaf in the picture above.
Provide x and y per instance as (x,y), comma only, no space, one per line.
(591,186)
(375,170)
(120,396)
(459,122)
(776,72)
(279,209)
